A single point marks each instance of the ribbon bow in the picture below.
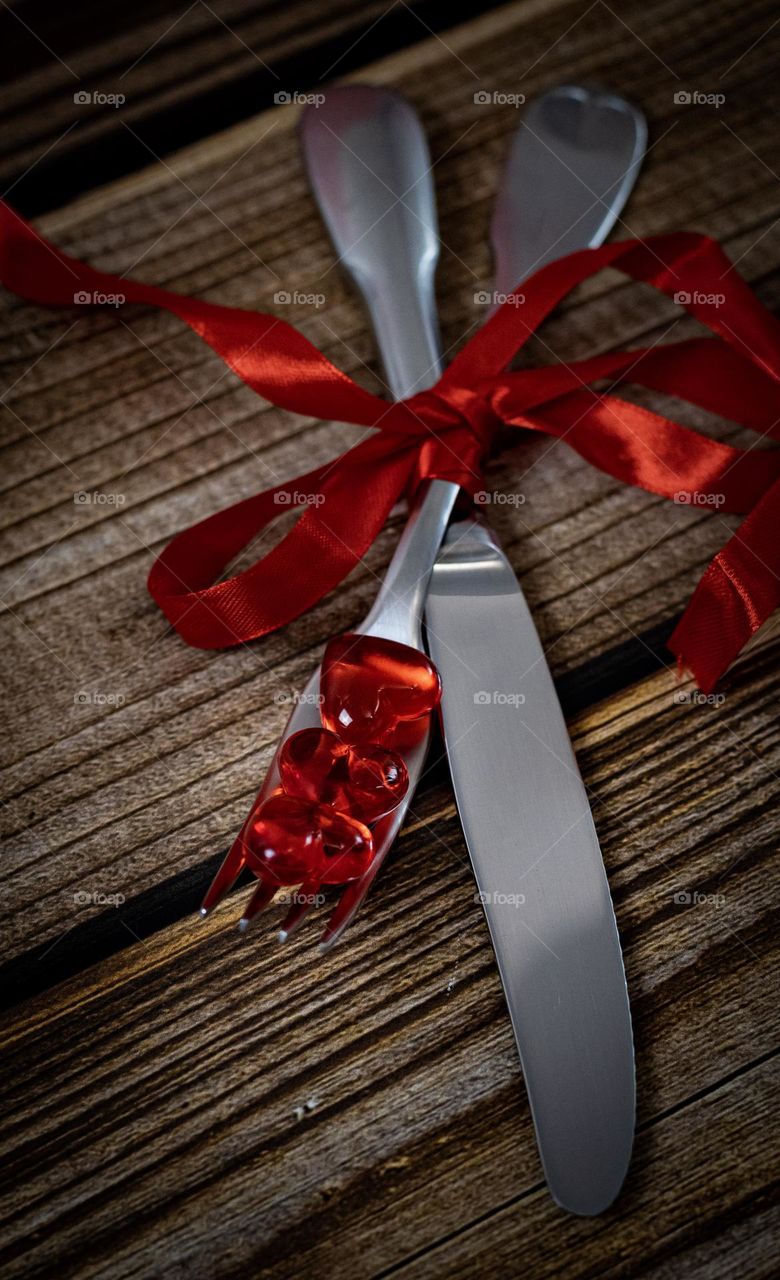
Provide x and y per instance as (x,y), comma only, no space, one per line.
(446,431)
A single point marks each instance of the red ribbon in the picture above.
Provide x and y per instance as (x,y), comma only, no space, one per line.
(446,431)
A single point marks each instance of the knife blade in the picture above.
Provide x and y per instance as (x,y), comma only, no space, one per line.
(522,803)
(538,867)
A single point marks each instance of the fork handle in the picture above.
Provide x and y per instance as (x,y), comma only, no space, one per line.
(369,170)
(397,610)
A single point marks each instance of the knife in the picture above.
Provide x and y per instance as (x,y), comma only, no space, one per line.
(522,803)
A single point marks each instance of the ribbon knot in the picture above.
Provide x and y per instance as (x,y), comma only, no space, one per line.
(445,432)
(457,425)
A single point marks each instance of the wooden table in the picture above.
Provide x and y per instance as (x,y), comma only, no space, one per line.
(180,1100)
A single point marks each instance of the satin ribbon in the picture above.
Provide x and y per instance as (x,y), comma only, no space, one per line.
(447,431)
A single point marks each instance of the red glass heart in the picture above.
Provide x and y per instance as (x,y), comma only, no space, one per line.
(289,840)
(371,687)
(313,765)
(378,782)
(366,782)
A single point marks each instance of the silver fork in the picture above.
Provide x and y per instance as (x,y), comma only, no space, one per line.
(369,168)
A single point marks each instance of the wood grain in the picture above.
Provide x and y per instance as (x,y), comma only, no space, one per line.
(235,1108)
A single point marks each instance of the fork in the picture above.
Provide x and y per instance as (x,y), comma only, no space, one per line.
(369,167)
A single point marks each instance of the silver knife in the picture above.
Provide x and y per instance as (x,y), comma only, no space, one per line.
(521,800)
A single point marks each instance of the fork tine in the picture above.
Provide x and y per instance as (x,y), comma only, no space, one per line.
(225,878)
(259,899)
(350,902)
(300,908)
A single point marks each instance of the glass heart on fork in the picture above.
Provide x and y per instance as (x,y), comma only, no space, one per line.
(311,822)
(292,841)
(366,782)
(374,689)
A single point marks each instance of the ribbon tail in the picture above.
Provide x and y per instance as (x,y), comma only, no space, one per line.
(267,353)
(738,592)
